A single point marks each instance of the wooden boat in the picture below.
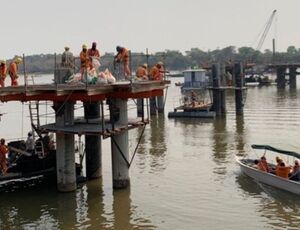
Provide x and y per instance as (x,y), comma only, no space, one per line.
(248,167)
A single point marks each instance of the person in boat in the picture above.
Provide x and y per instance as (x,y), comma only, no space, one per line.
(142,72)
(67,58)
(30,143)
(123,56)
(295,175)
(282,170)
(263,164)
(193,98)
(3,72)
(3,152)
(13,71)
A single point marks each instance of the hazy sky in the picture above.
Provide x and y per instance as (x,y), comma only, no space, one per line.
(40,26)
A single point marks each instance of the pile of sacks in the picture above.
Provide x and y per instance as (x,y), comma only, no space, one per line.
(93,76)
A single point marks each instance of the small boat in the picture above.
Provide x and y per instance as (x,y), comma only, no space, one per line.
(198,110)
(248,167)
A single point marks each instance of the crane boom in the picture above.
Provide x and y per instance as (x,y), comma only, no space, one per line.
(266,30)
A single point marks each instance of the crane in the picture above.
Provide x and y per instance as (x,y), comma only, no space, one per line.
(266,30)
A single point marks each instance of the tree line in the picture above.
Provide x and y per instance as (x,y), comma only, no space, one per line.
(173,59)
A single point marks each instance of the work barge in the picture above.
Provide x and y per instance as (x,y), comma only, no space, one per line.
(95,123)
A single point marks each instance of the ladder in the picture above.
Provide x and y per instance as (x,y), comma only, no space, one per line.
(39,148)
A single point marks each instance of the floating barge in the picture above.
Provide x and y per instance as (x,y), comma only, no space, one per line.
(189,111)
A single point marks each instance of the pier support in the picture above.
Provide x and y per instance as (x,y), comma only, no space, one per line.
(292,77)
(160,104)
(153,106)
(239,75)
(119,144)
(65,153)
(140,107)
(217,92)
(92,142)
(281,77)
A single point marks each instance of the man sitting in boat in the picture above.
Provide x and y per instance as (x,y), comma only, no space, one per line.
(295,171)
(263,164)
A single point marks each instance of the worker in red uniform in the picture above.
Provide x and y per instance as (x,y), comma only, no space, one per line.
(94,52)
(3,152)
(13,71)
(3,72)
(85,62)
(123,56)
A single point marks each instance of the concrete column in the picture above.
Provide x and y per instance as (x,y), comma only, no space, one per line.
(153,106)
(292,76)
(92,142)
(239,103)
(281,77)
(223,91)
(216,89)
(160,104)
(65,153)
(119,142)
(140,107)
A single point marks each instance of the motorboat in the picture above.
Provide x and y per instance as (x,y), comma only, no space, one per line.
(249,168)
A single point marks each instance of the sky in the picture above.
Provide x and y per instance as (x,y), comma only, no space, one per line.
(42,27)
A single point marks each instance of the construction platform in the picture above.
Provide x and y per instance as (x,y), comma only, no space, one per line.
(85,93)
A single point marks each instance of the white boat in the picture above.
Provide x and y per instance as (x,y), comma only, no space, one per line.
(195,79)
(248,167)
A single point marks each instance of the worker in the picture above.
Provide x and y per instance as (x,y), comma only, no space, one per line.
(13,70)
(3,72)
(85,63)
(123,56)
(67,58)
(94,55)
(193,98)
(283,171)
(142,72)
(30,143)
(156,72)
(3,152)
(94,52)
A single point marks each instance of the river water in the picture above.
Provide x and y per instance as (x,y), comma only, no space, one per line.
(184,174)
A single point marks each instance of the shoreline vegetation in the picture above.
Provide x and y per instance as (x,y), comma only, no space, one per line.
(174,60)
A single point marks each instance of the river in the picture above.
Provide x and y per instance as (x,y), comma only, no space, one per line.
(184,174)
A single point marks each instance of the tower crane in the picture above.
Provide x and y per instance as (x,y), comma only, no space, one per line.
(266,30)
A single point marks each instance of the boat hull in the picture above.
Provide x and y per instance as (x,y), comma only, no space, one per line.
(270,179)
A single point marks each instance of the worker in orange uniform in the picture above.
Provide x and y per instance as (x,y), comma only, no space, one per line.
(3,152)
(85,62)
(3,72)
(123,56)
(156,72)
(282,170)
(142,72)
(13,71)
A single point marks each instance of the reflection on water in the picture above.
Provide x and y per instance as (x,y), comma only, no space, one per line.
(280,209)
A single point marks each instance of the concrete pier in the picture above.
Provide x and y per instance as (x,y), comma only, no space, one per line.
(239,78)
(217,101)
(281,77)
(119,144)
(140,107)
(92,142)
(293,75)
(160,104)
(65,153)
(153,106)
